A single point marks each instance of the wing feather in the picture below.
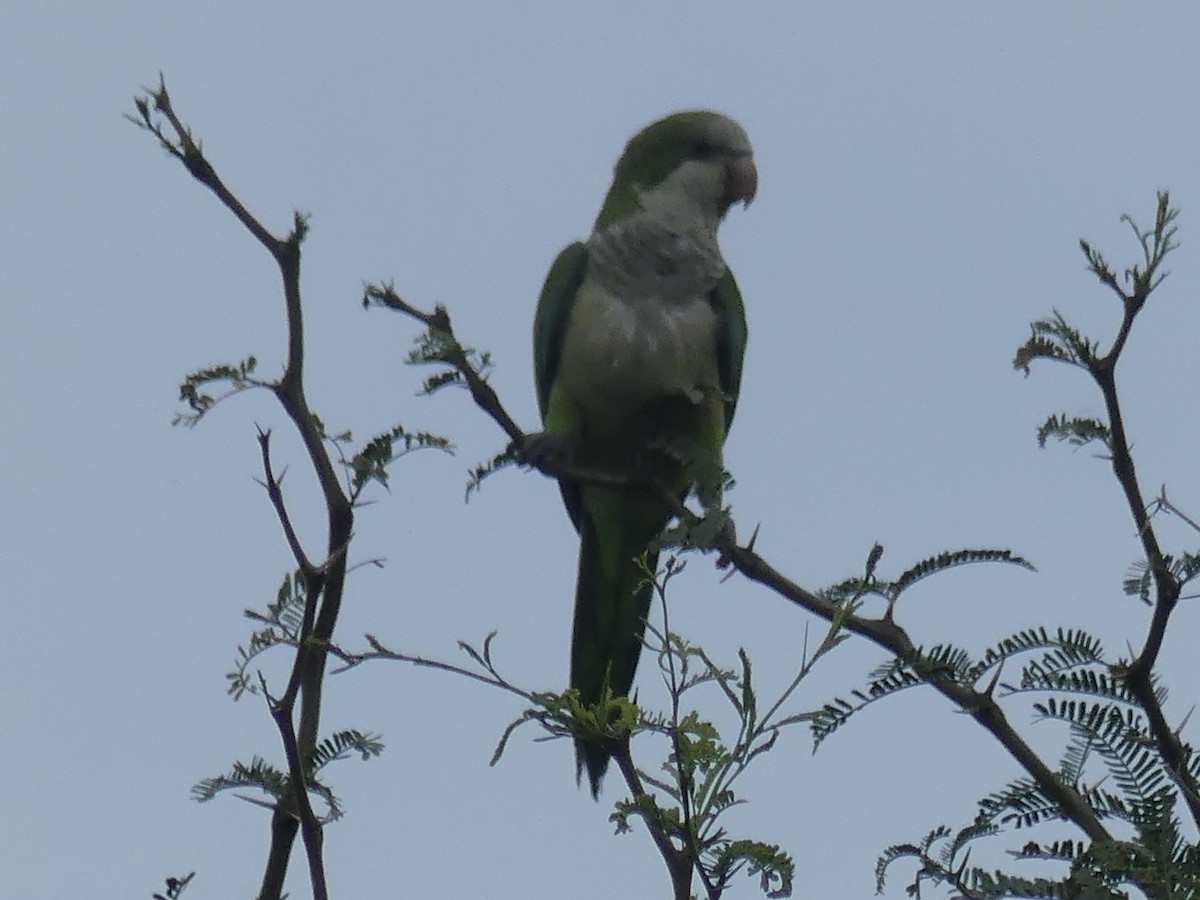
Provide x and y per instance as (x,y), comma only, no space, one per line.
(549,328)
(732,334)
(553,312)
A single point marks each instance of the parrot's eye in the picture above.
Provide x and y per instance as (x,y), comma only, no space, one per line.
(702,149)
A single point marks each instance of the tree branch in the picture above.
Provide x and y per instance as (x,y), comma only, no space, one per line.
(310,825)
(379,651)
(678,862)
(275,494)
(1156,243)
(324,584)
(685,771)
(439,322)
(884,632)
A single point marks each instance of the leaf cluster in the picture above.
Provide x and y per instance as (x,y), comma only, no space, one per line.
(859,587)
(371,463)
(687,800)
(282,620)
(260,775)
(1111,759)
(1133,771)
(192,390)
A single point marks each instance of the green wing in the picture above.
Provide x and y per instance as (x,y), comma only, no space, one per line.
(731,340)
(549,327)
(553,312)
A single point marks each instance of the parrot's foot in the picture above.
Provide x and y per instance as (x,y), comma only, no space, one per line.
(728,539)
(718,529)
(728,529)
(544,448)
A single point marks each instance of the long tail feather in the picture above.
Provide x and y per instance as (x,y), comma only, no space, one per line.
(612,600)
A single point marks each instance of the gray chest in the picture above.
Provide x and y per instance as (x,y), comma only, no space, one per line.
(619,353)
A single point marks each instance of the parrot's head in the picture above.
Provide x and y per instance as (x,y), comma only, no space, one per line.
(699,158)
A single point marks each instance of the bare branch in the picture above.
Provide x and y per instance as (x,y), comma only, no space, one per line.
(325,583)
(275,493)
(310,825)
(379,651)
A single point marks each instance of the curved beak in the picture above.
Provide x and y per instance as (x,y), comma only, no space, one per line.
(741,181)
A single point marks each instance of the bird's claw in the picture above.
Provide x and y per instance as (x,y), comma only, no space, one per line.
(542,449)
(726,538)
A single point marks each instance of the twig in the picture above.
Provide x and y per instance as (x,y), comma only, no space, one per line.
(439,321)
(275,494)
(310,826)
(684,772)
(188,151)
(1163,503)
(678,862)
(352,660)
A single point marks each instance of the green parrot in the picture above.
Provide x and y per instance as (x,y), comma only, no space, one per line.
(638,345)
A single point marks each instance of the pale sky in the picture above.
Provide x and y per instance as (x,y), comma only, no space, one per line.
(925,173)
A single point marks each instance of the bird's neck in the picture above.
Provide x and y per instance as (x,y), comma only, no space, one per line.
(666,250)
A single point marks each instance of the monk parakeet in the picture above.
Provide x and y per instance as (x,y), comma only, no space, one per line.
(638,345)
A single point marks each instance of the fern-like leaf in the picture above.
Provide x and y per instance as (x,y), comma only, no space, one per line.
(341,744)
(372,461)
(775,869)
(1066,648)
(282,619)
(257,774)
(1078,431)
(502,460)
(1021,803)
(236,375)
(1056,340)
(952,559)
(886,680)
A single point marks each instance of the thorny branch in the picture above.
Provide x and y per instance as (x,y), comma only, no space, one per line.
(324,583)
(439,322)
(1142,279)
(274,490)
(980,705)
(310,825)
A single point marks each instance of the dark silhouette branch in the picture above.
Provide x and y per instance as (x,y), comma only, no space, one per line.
(310,825)
(980,705)
(324,584)
(439,322)
(188,151)
(1156,243)
(679,862)
(379,651)
(275,494)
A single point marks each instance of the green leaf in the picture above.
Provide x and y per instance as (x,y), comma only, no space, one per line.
(1077,431)
(1056,340)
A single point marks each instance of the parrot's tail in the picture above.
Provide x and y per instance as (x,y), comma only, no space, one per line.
(612,601)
